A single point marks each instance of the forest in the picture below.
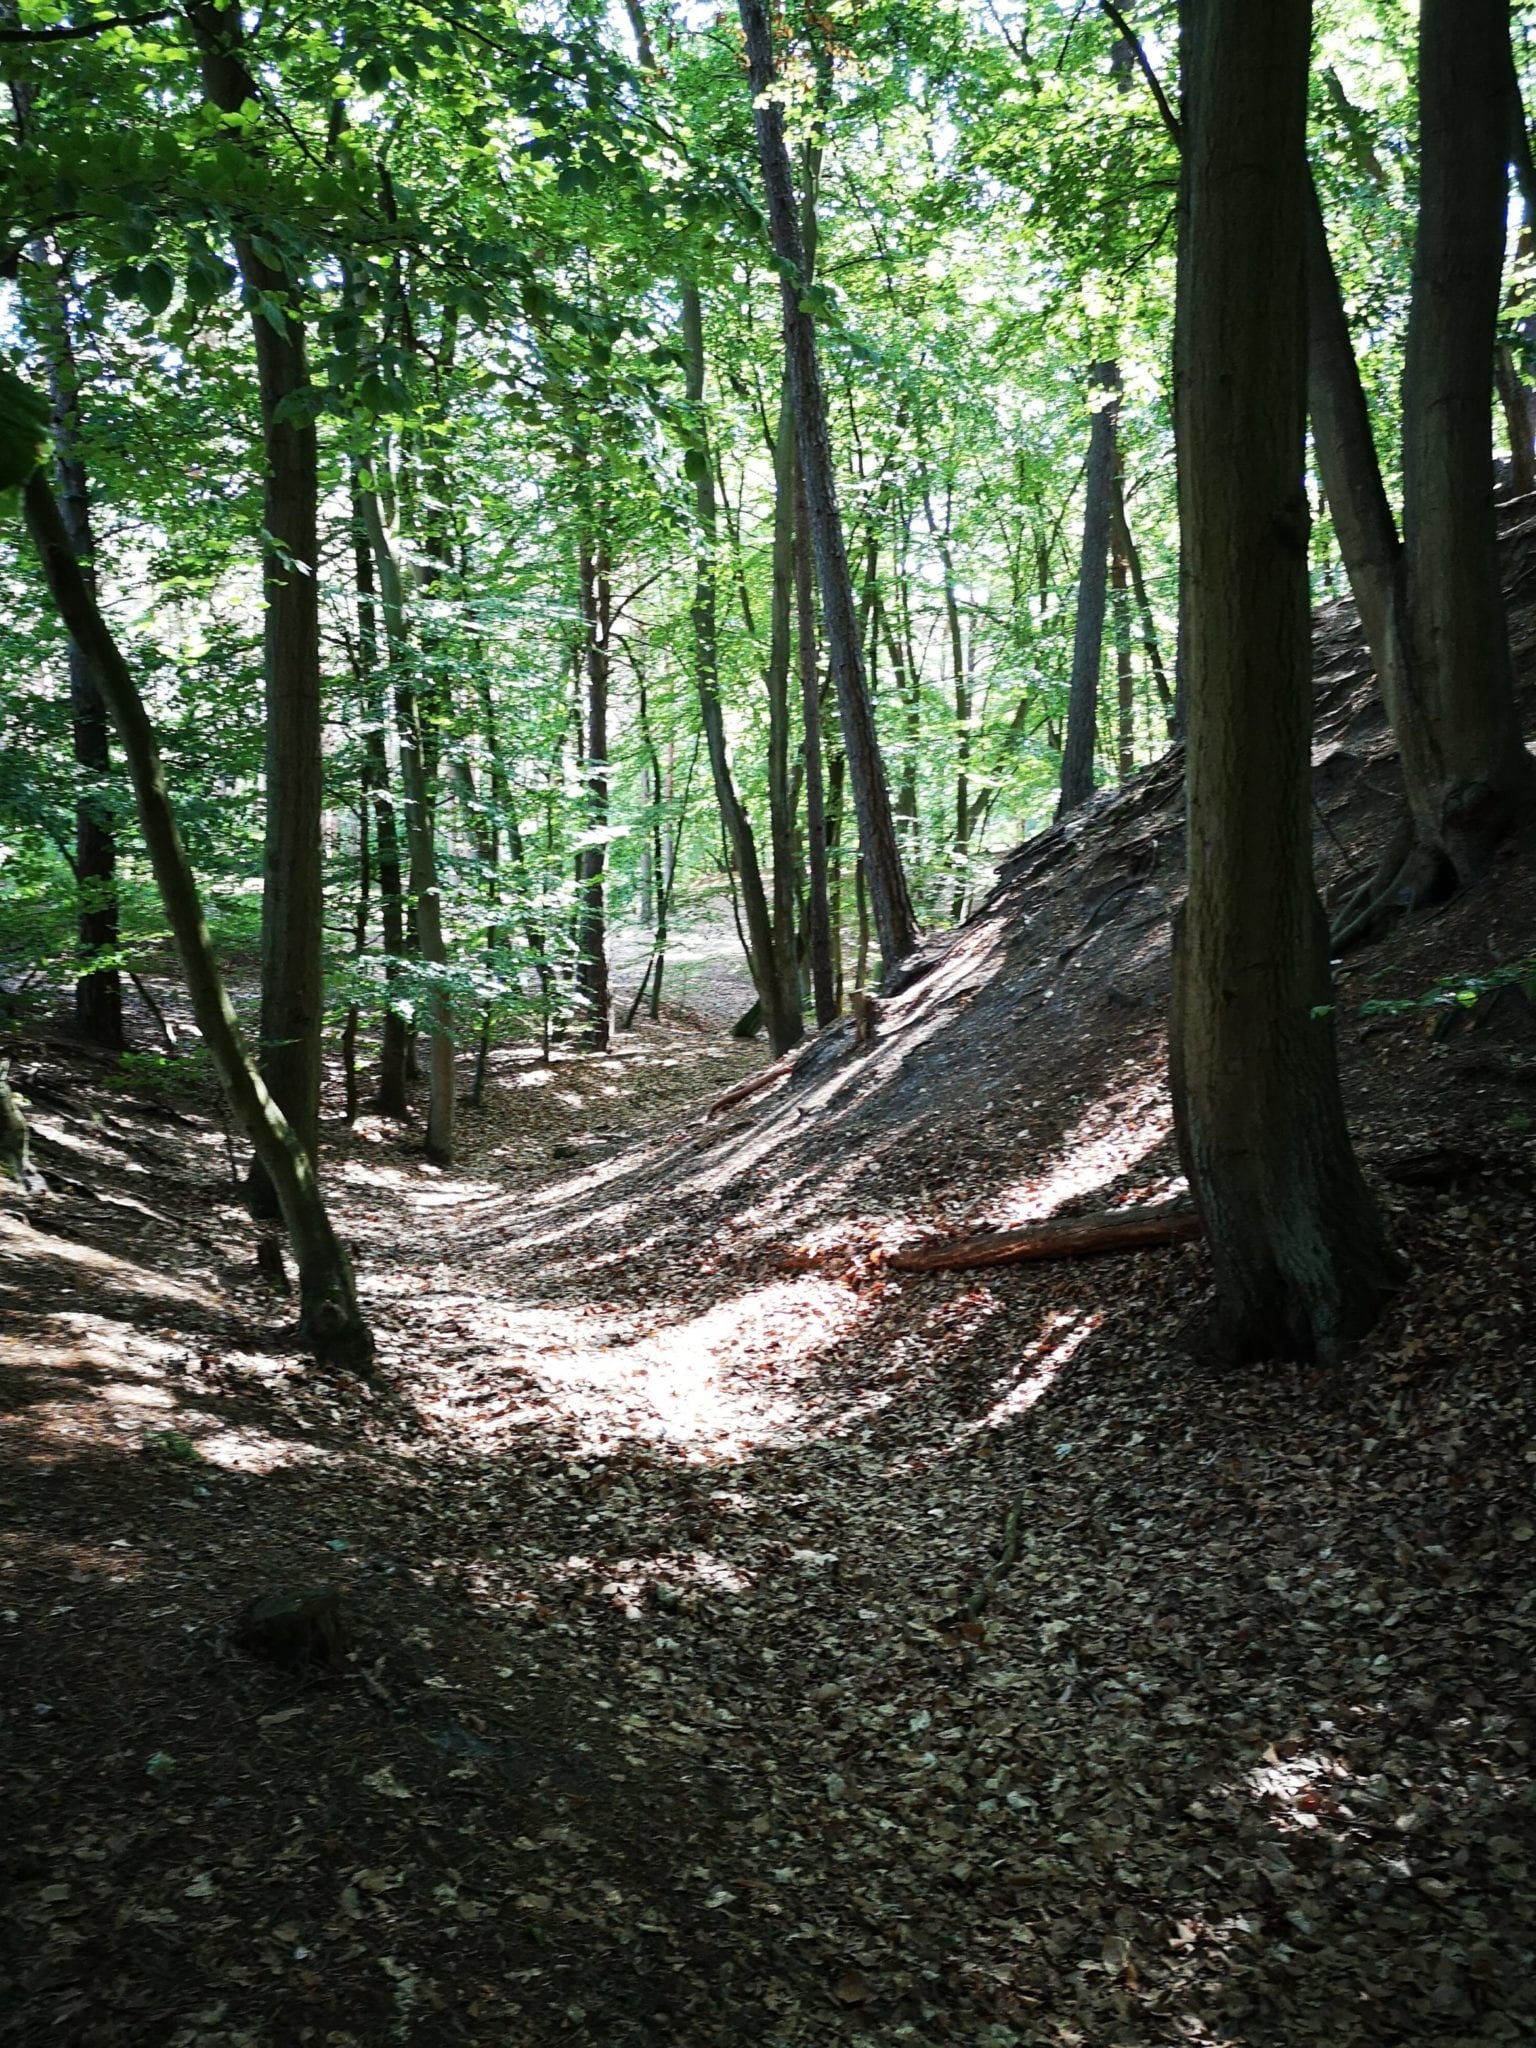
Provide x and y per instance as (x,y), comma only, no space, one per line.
(767,1023)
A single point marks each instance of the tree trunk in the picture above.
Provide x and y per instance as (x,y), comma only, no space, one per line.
(420,842)
(292,905)
(782,790)
(391,1097)
(818,908)
(1125,541)
(1515,398)
(1301,1264)
(1350,468)
(592,936)
(1468,775)
(1088,641)
(1125,677)
(877,832)
(778,991)
(98,991)
(331,1320)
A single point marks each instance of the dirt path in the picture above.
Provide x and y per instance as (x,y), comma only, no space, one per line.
(658,1725)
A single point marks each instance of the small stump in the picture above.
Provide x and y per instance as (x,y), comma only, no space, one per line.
(299,1628)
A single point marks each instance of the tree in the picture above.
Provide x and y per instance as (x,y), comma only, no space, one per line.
(292,978)
(878,842)
(1468,776)
(1301,1263)
(1088,647)
(98,987)
(330,1319)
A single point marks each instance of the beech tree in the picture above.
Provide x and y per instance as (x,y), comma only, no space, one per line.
(331,1321)
(1467,773)
(292,900)
(880,848)
(1301,1262)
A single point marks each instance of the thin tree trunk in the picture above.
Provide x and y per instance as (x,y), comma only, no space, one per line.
(819,921)
(1515,398)
(1088,642)
(391,1097)
(292,991)
(1125,676)
(359,946)
(592,941)
(1301,1264)
(781,788)
(778,990)
(420,841)
(98,991)
(1125,541)
(877,832)
(331,1320)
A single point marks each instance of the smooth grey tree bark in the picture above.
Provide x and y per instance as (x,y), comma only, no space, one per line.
(1300,1260)
(330,1318)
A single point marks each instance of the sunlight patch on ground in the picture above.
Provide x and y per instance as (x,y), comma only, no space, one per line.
(716,1387)
(677,1582)
(22,1245)
(1105,1142)
(1060,1339)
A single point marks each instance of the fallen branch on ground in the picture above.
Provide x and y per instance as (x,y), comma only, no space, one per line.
(753,1084)
(1076,1237)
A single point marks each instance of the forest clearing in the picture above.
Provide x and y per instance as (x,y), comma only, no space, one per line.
(767,1024)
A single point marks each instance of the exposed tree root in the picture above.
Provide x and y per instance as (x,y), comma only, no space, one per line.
(1409,876)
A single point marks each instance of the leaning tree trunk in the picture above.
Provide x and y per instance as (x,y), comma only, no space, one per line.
(1468,775)
(292,902)
(331,1320)
(1301,1264)
(877,831)
(98,990)
(778,993)
(1088,640)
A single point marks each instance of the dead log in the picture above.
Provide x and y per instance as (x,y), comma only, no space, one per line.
(1075,1237)
(753,1085)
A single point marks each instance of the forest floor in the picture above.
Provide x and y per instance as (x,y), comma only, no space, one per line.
(678,1704)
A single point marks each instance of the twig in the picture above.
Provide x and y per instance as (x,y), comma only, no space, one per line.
(154,1010)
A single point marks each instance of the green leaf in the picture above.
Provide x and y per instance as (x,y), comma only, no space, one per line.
(24,419)
(696,465)
(157,284)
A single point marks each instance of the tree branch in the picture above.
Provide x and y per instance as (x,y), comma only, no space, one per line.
(1170,118)
(74,33)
